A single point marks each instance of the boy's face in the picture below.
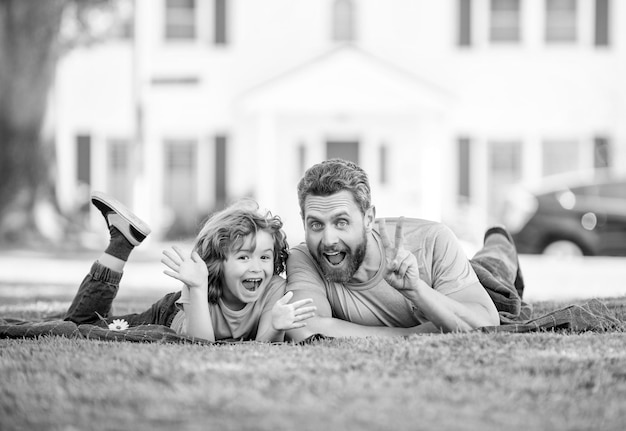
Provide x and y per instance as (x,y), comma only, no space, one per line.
(336,234)
(248,271)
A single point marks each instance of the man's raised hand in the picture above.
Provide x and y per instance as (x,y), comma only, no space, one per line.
(401,269)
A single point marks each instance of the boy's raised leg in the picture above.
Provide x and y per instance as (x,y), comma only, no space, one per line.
(98,289)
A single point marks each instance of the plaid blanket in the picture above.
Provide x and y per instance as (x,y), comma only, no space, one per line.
(590,316)
(593,315)
(15,328)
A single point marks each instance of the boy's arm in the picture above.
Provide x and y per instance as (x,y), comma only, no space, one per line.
(192,271)
(198,317)
(284,315)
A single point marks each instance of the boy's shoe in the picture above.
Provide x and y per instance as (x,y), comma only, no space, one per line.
(118,215)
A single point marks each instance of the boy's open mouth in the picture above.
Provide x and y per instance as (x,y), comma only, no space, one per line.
(251,284)
(335,257)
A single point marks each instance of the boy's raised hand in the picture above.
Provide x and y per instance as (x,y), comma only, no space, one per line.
(401,270)
(291,316)
(190,270)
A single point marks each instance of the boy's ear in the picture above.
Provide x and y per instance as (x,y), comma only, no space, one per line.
(370,218)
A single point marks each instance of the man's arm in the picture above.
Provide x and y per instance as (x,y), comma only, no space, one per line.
(460,310)
(463,310)
(304,281)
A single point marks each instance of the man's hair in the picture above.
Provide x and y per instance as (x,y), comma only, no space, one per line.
(332,176)
(225,232)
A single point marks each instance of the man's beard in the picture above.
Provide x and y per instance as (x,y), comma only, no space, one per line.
(352,261)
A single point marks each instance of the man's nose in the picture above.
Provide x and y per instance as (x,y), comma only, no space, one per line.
(329,237)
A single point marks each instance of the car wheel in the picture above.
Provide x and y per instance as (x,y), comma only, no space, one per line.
(563,248)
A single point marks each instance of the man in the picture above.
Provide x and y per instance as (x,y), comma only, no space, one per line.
(364,284)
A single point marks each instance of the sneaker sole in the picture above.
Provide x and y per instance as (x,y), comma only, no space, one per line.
(142,229)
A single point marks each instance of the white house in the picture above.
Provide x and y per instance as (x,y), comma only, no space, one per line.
(445,103)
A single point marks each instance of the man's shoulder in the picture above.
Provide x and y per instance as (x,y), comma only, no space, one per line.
(417,226)
(300,257)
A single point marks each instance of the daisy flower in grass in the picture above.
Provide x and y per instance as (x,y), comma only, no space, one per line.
(118,325)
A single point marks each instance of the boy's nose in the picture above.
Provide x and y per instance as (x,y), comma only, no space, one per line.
(255,265)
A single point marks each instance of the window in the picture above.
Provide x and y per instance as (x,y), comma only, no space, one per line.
(505,169)
(343,21)
(601,36)
(465,22)
(220,22)
(179,182)
(601,152)
(347,150)
(119,179)
(382,157)
(560,156)
(220,170)
(83,159)
(123,14)
(505,21)
(560,21)
(302,159)
(464,167)
(180,19)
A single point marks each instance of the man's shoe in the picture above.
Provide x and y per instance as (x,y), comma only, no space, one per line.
(119,216)
(519,278)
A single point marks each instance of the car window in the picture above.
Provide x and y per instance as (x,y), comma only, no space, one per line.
(606,190)
(613,190)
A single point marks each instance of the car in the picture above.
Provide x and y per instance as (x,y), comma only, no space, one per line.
(582,215)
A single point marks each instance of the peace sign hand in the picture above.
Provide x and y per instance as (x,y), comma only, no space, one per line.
(401,271)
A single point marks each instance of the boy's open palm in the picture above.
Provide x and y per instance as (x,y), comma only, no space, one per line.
(401,270)
(291,316)
(190,270)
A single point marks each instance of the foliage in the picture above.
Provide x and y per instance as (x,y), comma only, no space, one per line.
(30,46)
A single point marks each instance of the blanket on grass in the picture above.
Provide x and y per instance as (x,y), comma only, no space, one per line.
(590,316)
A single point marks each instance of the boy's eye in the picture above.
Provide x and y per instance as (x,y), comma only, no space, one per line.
(242,257)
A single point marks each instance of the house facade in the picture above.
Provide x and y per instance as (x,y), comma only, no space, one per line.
(193,103)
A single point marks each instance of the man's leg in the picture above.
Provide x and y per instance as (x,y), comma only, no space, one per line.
(99,288)
(498,269)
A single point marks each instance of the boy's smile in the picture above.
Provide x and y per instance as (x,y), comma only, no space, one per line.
(248,271)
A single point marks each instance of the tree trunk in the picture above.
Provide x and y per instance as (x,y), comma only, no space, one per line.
(29,33)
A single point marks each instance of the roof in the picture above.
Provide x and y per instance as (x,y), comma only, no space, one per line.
(346,79)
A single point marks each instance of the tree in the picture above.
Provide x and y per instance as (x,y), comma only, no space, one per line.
(30,45)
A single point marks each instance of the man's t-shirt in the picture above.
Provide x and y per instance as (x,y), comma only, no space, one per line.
(442,263)
(238,324)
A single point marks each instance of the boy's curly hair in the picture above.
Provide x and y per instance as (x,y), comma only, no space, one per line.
(332,176)
(224,233)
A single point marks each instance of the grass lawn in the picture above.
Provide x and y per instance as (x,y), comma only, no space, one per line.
(476,381)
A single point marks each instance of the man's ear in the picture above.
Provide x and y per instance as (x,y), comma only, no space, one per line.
(370,218)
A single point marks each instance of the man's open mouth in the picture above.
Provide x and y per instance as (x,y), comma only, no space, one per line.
(335,257)
(252,284)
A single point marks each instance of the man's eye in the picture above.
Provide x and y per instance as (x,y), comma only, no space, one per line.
(316,226)
(342,223)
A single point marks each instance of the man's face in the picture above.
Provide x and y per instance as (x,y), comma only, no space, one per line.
(336,234)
